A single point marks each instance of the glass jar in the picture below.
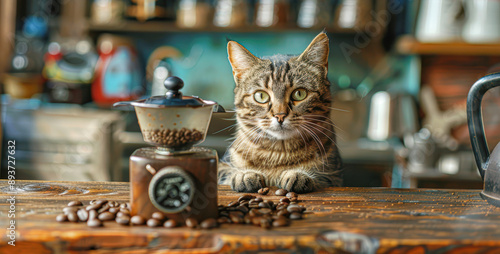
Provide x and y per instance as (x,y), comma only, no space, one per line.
(353,14)
(272,13)
(231,13)
(193,13)
(313,13)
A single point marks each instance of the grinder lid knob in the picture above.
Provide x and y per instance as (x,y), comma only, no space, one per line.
(173,84)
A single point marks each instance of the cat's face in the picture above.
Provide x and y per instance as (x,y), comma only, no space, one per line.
(282,97)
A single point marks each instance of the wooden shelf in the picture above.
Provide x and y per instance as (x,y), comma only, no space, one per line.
(411,46)
(169,26)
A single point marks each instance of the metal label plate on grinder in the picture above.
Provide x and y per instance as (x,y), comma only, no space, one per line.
(171,189)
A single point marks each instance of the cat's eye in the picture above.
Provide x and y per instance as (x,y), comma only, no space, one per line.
(261,97)
(299,94)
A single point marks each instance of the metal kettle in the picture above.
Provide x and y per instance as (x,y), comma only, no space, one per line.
(487,164)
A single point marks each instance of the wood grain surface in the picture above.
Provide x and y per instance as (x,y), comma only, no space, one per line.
(338,220)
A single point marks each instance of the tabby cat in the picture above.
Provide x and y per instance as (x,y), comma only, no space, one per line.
(284,137)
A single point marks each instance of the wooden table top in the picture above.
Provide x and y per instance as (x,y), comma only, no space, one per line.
(338,220)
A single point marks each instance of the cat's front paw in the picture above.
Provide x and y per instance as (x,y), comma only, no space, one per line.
(296,181)
(247,181)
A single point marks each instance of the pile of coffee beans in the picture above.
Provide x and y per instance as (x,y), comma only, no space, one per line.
(173,137)
(96,212)
(105,210)
(247,209)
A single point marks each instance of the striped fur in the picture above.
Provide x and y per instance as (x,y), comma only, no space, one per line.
(300,154)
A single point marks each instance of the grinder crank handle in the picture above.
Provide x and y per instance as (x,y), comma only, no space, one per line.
(475,120)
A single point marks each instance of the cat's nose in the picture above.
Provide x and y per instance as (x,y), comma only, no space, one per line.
(280,117)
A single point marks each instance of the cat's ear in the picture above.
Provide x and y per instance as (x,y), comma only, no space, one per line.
(240,58)
(317,52)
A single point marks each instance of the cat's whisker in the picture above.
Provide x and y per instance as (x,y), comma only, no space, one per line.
(330,122)
(240,140)
(331,131)
(228,127)
(339,109)
(254,140)
(321,132)
(316,139)
(326,135)
(250,133)
(318,142)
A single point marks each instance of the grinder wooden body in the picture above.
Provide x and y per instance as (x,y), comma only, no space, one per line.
(200,166)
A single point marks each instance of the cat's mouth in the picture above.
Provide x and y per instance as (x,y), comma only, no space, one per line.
(281,132)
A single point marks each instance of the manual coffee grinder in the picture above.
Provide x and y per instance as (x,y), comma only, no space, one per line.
(173,177)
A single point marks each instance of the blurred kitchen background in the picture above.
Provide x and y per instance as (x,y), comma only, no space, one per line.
(400,70)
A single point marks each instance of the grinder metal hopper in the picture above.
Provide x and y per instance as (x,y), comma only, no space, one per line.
(173,123)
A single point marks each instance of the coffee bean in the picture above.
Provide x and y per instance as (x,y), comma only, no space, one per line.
(281,192)
(245,197)
(191,222)
(105,216)
(242,208)
(281,206)
(123,205)
(104,208)
(158,215)
(285,200)
(153,223)
(295,216)
(265,223)
(137,220)
(265,210)
(124,210)
(258,199)
(94,206)
(264,205)
(83,215)
(292,195)
(75,203)
(92,201)
(233,204)
(254,212)
(283,212)
(92,214)
(236,219)
(170,224)
(114,210)
(280,222)
(72,217)
(224,213)
(124,220)
(94,223)
(293,199)
(224,220)
(294,209)
(236,213)
(62,218)
(263,191)
(244,203)
(70,209)
(253,202)
(208,223)
(101,202)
